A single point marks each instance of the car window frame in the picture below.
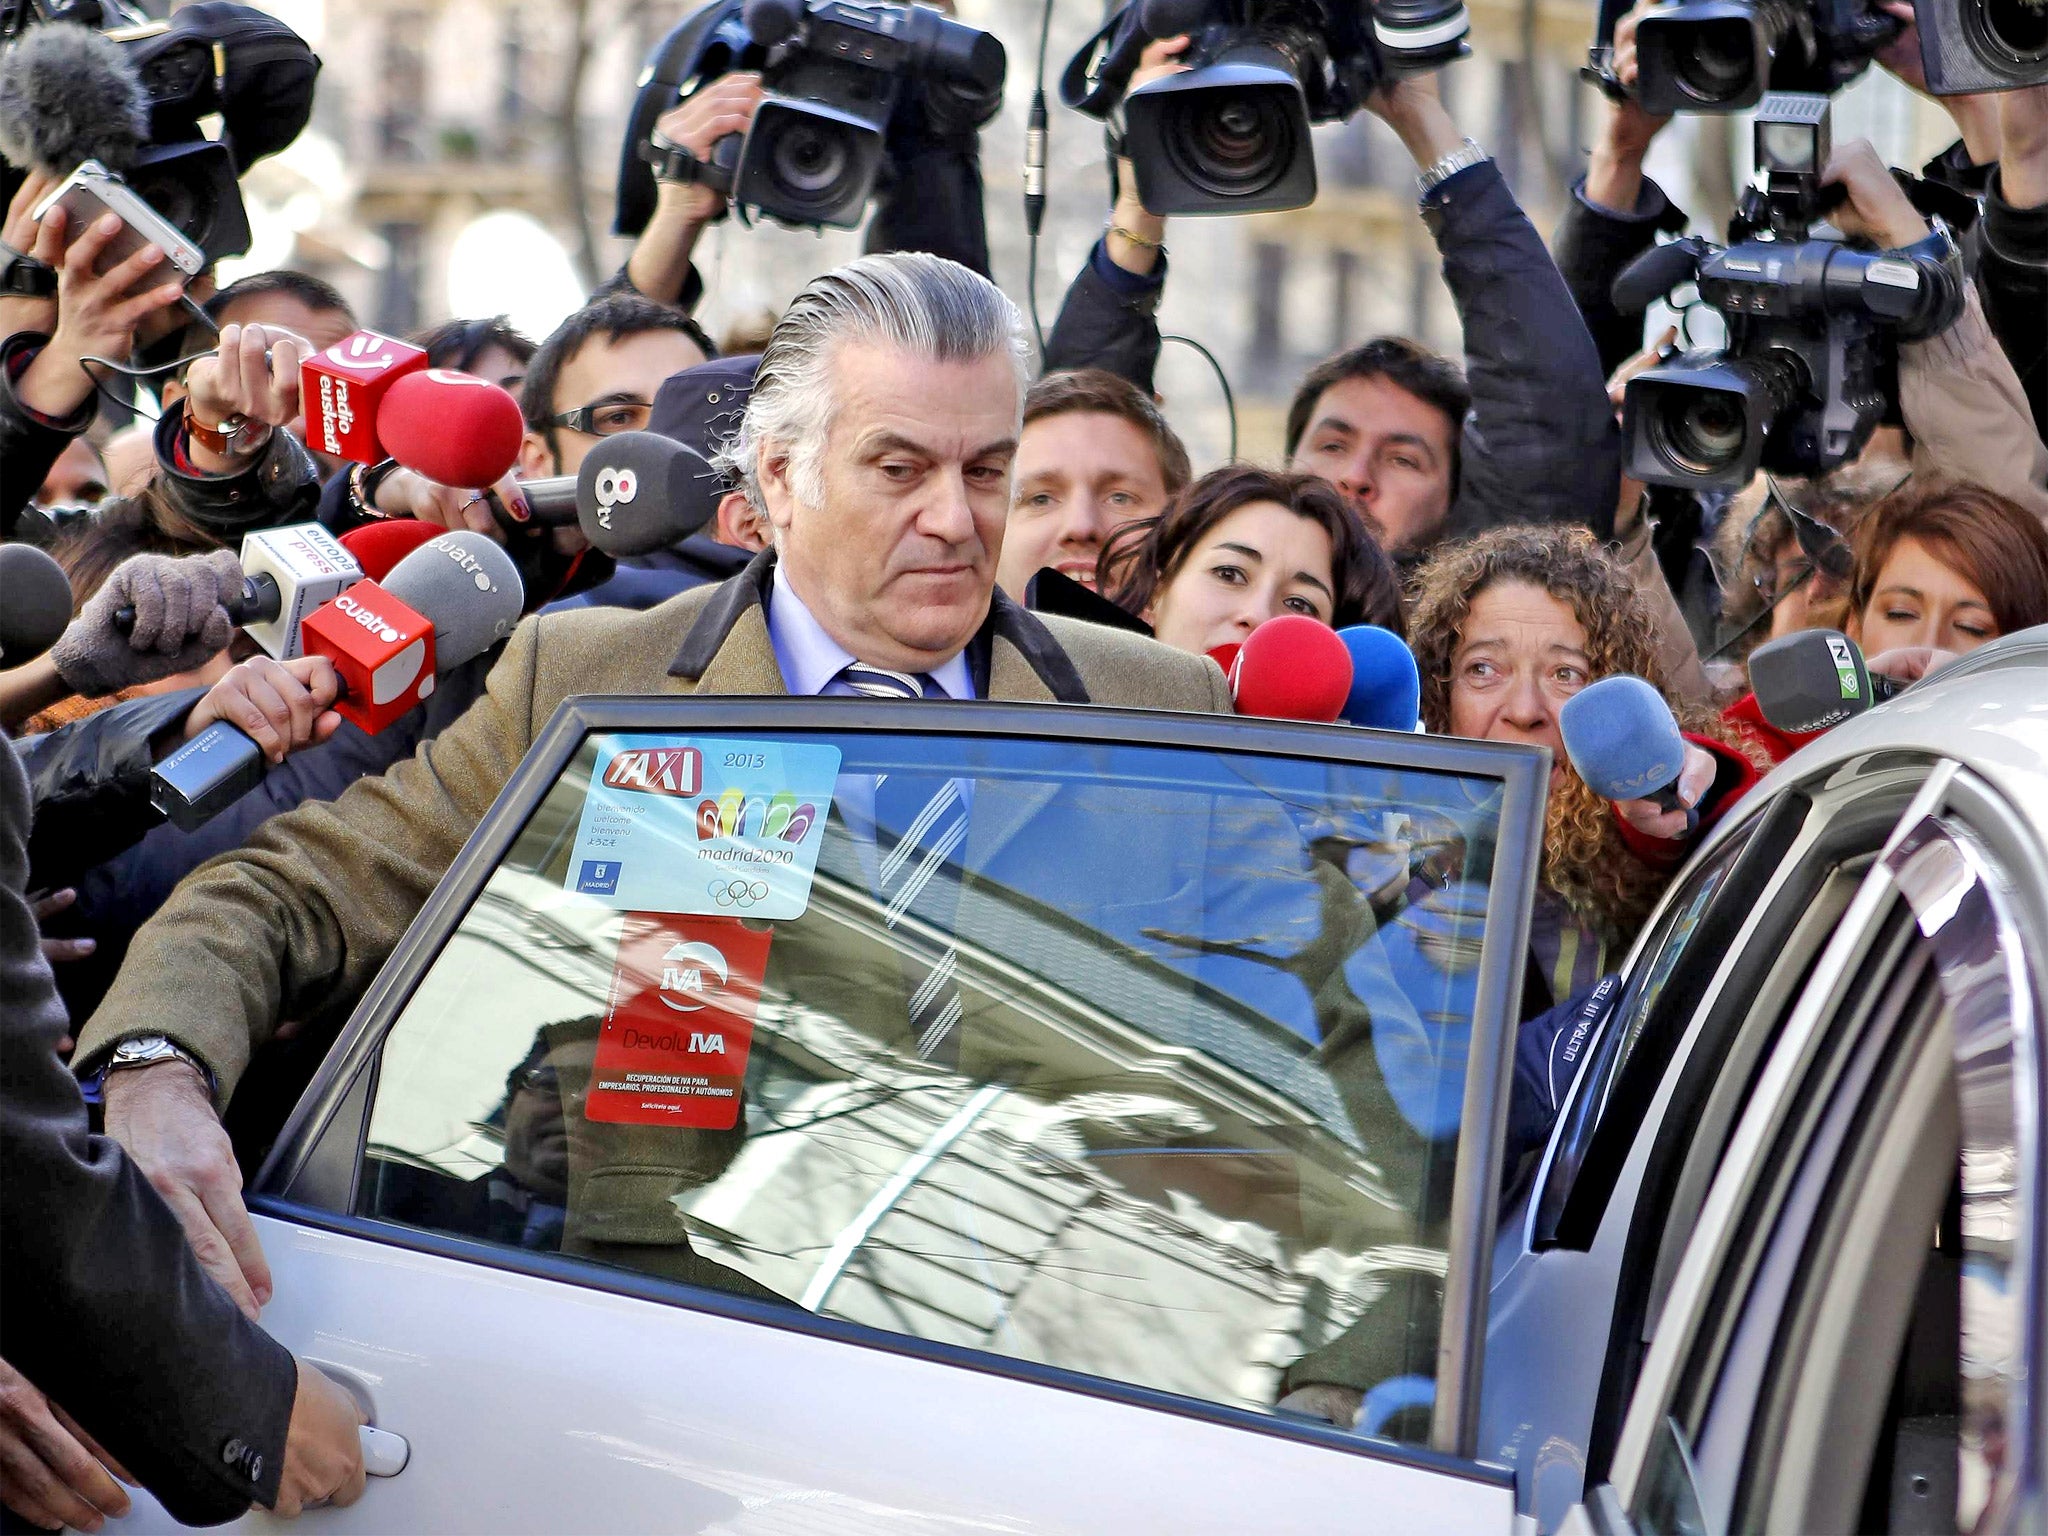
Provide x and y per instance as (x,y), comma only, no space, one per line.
(306,1179)
(1952,791)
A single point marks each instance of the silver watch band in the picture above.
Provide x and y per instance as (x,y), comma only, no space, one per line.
(1465,156)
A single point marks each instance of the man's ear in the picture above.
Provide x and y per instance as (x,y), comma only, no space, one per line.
(536,458)
(772,474)
(736,523)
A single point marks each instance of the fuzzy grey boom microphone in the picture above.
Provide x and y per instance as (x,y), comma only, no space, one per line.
(68,95)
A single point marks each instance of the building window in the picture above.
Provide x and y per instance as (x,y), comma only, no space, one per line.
(1269,285)
(1343,298)
(398,291)
(402,69)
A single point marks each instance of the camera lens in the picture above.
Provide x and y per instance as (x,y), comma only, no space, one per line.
(809,160)
(2020,27)
(1232,145)
(1701,432)
(1718,65)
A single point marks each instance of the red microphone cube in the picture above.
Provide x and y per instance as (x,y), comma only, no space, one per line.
(383,649)
(343,388)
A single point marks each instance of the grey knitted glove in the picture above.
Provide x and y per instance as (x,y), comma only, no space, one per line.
(179,622)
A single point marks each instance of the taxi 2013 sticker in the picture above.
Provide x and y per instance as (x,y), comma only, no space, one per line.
(689,824)
(679,1023)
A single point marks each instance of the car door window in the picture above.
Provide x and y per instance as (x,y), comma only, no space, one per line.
(1143,1062)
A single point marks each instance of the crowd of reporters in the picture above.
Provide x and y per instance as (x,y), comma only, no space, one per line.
(1482,512)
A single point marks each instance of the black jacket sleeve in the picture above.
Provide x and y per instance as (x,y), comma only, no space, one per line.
(1540,443)
(89,782)
(121,894)
(1109,319)
(281,485)
(1592,244)
(107,1311)
(2012,280)
(29,443)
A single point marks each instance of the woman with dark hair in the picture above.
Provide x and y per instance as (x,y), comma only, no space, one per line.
(1242,545)
(491,349)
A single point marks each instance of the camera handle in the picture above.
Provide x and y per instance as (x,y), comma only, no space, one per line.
(674,163)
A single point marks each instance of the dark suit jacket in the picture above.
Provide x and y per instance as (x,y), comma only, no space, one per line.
(102,1304)
(313,904)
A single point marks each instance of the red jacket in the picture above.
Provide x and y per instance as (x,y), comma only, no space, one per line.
(1734,777)
(1747,718)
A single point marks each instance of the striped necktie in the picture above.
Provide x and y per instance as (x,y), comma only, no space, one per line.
(929,819)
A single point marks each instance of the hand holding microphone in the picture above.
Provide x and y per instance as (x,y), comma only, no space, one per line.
(279,705)
(1625,743)
(179,622)
(240,392)
(442,605)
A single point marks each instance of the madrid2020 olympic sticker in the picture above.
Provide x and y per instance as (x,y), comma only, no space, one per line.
(686,824)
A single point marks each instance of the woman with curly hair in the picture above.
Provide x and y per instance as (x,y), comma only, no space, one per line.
(1505,629)
(1243,545)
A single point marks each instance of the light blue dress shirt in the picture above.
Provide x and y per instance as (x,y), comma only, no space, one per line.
(811,660)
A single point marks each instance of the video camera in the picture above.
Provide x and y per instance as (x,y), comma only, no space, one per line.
(1812,326)
(837,73)
(1231,134)
(211,58)
(1982,45)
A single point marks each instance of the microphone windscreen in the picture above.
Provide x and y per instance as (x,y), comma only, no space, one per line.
(1386,687)
(1810,680)
(67,95)
(1622,738)
(37,603)
(639,491)
(468,586)
(378,546)
(771,21)
(1293,668)
(454,428)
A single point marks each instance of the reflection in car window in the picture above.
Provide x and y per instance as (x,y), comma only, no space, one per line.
(1143,1062)
(1660,954)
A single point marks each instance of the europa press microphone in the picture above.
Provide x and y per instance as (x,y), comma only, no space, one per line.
(286,574)
(443,604)
(1814,679)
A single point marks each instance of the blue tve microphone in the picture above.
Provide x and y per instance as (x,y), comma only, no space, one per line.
(1625,743)
(1386,690)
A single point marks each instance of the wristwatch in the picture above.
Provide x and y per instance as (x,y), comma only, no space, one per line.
(1465,156)
(237,436)
(23,277)
(147,1051)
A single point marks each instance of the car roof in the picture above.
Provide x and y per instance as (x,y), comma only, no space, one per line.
(1987,711)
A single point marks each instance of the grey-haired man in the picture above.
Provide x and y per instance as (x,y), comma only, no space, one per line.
(878,443)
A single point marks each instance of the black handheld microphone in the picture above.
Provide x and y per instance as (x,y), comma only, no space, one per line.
(38,606)
(1813,679)
(636,492)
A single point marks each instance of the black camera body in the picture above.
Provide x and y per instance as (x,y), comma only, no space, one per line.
(213,59)
(1982,45)
(837,73)
(1810,365)
(1724,55)
(1231,134)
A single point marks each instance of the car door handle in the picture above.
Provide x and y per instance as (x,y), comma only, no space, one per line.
(384,1454)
